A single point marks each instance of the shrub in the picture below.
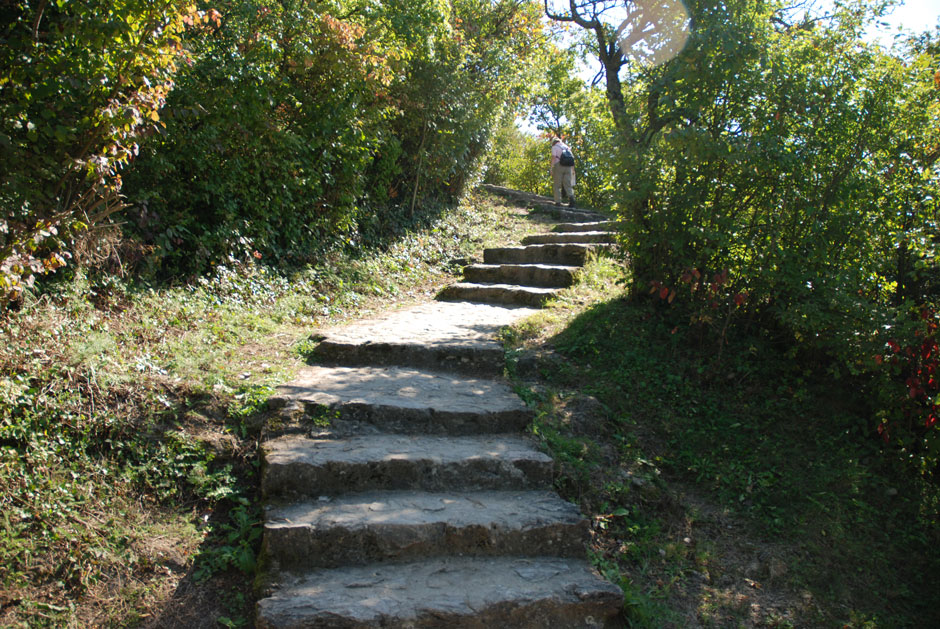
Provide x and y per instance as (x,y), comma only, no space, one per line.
(80,83)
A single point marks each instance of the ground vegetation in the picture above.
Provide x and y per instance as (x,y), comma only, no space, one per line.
(130,417)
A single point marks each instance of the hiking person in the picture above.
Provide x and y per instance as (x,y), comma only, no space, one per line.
(562,171)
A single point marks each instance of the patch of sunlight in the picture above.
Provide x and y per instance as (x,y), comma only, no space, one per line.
(654,31)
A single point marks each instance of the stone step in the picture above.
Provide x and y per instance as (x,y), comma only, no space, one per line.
(543,275)
(531,296)
(595,226)
(452,592)
(517,195)
(447,357)
(300,466)
(545,205)
(401,400)
(569,214)
(584,238)
(565,255)
(451,336)
(400,525)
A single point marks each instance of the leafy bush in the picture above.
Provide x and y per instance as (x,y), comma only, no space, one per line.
(268,137)
(80,83)
(301,128)
(783,169)
(518,160)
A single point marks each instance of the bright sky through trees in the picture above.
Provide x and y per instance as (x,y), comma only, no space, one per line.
(654,32)
(912,16)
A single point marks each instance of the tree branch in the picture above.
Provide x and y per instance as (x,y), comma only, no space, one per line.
(39,12)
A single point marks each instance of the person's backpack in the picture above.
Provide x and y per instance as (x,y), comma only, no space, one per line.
(567,158)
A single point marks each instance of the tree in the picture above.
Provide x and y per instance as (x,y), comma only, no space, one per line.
(640,32)
(783,168)
(559,83)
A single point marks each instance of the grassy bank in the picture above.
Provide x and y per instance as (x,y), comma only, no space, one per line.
(733,488)
(129,418)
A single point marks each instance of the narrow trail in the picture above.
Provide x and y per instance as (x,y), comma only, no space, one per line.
(399,488)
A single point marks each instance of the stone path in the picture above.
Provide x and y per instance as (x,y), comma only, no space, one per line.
(400,490)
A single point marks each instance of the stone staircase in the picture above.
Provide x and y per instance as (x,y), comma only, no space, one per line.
(531,274)
(544,205)
(400,490)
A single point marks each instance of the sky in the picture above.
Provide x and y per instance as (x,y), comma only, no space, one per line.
(913,15)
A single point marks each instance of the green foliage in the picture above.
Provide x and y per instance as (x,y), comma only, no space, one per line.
(302,128)
(232,544)
(517,160)
(268,137)
(70,475)
(81,83)
(576,455)
(551,104)
(590,133)
(782,169)
(458,93)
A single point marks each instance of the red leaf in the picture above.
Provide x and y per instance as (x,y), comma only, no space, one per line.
(739,299)
(878,359)
(883,431)
(663,292)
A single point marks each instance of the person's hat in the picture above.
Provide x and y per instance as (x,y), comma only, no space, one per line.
(555,141)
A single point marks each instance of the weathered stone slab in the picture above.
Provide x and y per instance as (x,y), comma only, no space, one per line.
(543,275)
(399,399)
(544,204)
(595,226)
(564,255)
(456,593)
(532,296)
(570,237)
(571,215)
(296,465)
(453,336)
(517,195)
(395,525)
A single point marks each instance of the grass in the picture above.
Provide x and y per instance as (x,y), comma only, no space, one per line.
(130,416)
(740,491)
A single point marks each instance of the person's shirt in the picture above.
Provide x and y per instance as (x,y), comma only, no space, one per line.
(557,150)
